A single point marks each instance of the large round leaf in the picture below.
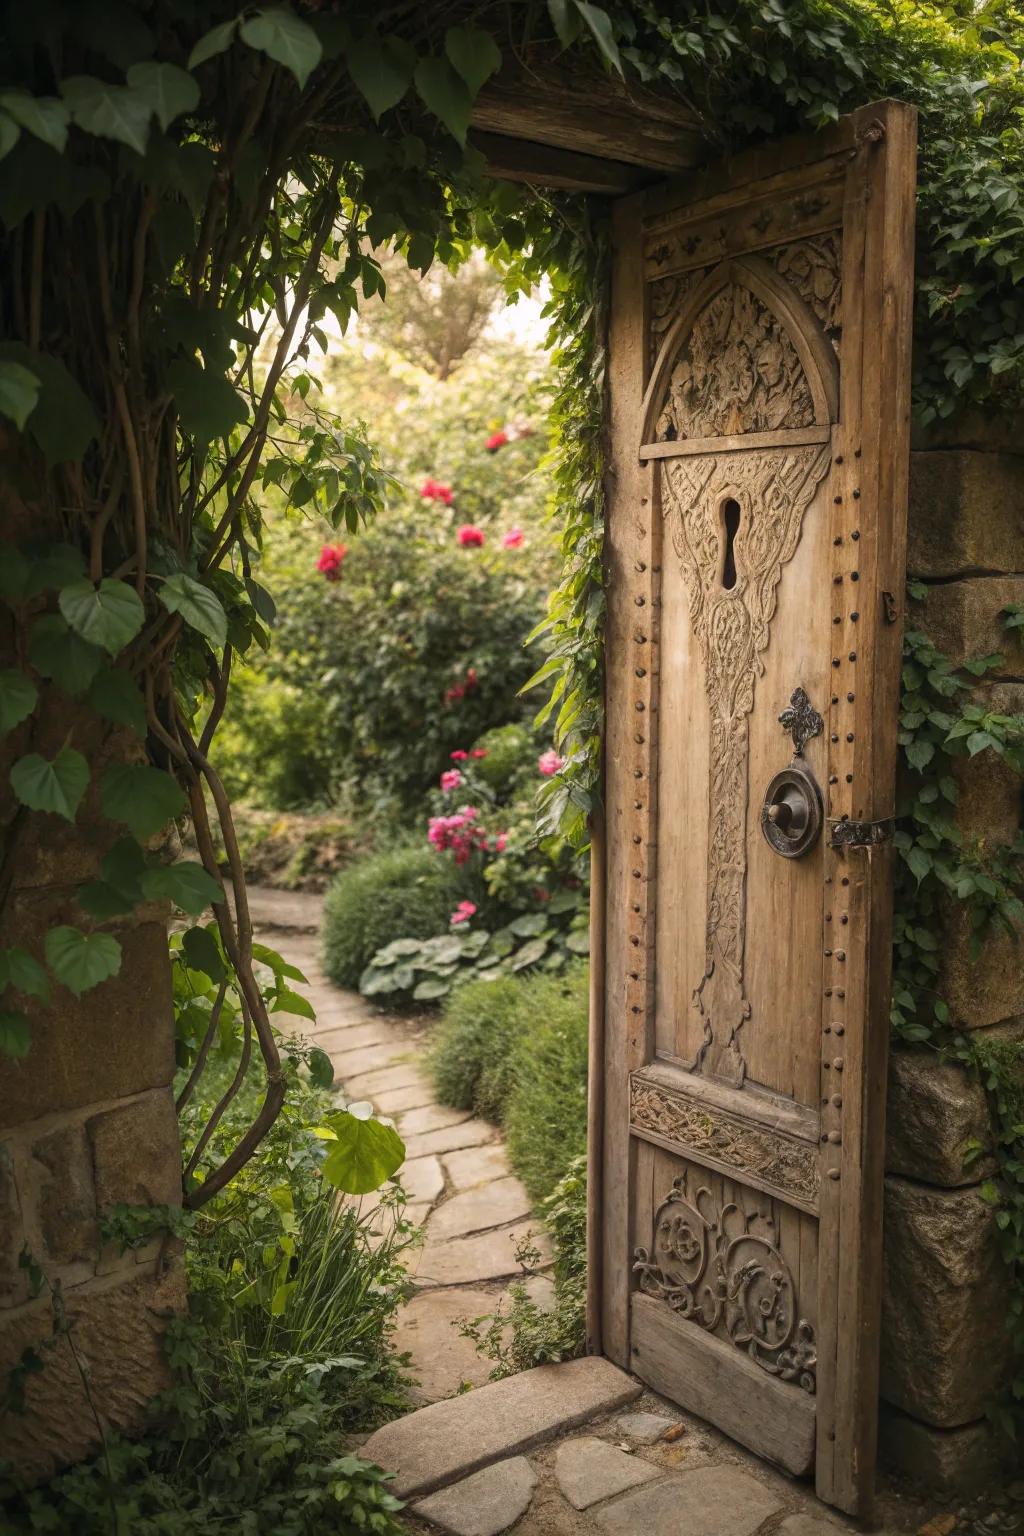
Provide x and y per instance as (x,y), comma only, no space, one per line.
(199,607)
(186,884)
(141,797)
(285,38)
(82,960)
(364,1153)
(109,615)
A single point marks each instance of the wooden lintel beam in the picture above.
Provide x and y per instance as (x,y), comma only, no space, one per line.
(542,165)
(591,115)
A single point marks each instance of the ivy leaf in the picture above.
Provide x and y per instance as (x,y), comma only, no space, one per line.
(321,1068)
(19,390)
(198,606)
(15,1035)
(57,652)
(120,889)
(202,953)
(169,90)
(10,133)
(444,93)
(382,69)
(18,695)
(920,754)
(45,116)
(81,960)
(108,111)
(208,404)
(364,1153)
(186,884)
(600,26)
(65,422)
(919,861)
(57,785)
(285,38)
(143,798)
(20,971)
(114,695)
(475,55)
(109,615)
(566,20)
(217,40)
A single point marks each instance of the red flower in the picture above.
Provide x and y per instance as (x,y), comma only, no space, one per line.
(470,534)
(455,692)
(496,440)
(476,752)
(458,756)
(330,560)
(433,490)
(513,538)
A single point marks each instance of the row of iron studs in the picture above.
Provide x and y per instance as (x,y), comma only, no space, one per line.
(642,711)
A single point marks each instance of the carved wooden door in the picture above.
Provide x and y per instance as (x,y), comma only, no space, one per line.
(759,354)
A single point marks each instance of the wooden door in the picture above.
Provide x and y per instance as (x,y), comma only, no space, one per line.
(760,359)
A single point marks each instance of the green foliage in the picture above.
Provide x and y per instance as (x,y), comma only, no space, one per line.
(403,892)
(473,1049)
(524,1332)
(940,870)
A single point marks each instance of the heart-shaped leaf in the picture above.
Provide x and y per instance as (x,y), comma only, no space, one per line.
(202,953)
(364,1153)
(19,392)
(18,695)
(45,116)
(20,971)
(109,615)
(56,785)
(15,1035)
(169,90)
(186,884)
(217,40)
(321,1071)
(208,404)
(81,960)
(382,68)
(108,111)
(445,94)
(117,697)
(142,797)
(475,55)
(56,651)
(198,606)
(285,38)
(287,1001)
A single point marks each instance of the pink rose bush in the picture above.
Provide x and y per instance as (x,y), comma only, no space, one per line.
(470,536)
(433,490)
(329,563)
(450,779)
(549,763)
(460,835)
(463,912)
(496,440)
(513,539)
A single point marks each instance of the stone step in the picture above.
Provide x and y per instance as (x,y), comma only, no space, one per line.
(434,1446)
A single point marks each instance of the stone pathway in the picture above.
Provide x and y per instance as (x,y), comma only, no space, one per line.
(460,1189)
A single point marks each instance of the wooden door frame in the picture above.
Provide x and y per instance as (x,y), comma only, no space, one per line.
(871,458)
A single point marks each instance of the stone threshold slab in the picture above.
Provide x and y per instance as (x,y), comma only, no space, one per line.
(436,1445)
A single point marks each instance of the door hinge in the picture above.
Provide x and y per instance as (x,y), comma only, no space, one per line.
(860,834)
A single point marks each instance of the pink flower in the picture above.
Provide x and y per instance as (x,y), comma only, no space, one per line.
(450,779)
(501,842)
(329,563)
(469,534)
(458,834)
(458,756)
(496,440)
(549,763)
(479,752)
(463,912)
(513,538)
(433,491)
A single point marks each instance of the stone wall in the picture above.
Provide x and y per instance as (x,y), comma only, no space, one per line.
(87,1122)
(946,1290)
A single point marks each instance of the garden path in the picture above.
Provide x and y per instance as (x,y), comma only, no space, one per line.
(473,1213)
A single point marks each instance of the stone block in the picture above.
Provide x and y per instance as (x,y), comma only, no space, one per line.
(13,1282)
(485,1256)
(65,1197)
(962,618)
(115,1040)
(477,1210)
(588,1470)
(707,1501)
(477,1165)
(966,512)
(934,1110)
(943,1462)
(486,1503)
(117,1328)
(422,1179)
(434,1446)
(442,1359)
(471,1133)
(984,988)
(645,1428)
(136,1152)
(945,1299)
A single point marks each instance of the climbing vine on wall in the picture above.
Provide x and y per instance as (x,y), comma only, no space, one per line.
(943,723)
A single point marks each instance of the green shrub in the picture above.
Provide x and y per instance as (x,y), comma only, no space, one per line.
(404,892)
(472,1057)
(546,1111)
(515,1051)
(511,761)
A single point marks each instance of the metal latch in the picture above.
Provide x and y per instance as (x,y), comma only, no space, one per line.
(860,834)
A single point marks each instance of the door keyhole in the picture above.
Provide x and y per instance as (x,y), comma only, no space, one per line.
(731,524)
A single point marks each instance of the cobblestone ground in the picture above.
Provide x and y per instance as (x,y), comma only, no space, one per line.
(474,1213)
(645,1468)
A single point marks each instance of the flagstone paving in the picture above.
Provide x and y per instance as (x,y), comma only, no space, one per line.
(474,1213)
